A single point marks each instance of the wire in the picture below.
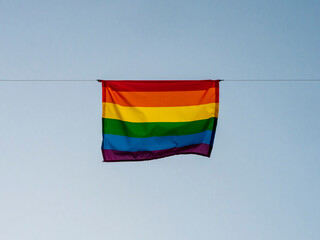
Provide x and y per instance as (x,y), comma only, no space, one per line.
(225,80)
(46,80)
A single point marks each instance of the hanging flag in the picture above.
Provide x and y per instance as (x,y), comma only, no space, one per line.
(144,120)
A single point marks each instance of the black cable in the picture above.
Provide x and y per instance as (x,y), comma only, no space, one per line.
(225,80)
(51,80)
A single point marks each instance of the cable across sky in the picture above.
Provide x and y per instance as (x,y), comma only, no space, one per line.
(94,80)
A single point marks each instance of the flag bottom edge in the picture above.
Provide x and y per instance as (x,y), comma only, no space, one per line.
(110,155)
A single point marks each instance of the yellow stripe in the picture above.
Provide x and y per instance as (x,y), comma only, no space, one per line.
(159,114)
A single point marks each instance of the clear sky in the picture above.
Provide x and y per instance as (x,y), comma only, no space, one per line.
(262,181)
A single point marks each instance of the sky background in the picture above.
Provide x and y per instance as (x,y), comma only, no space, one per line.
(262,181)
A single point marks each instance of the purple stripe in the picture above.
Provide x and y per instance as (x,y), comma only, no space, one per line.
(115,156)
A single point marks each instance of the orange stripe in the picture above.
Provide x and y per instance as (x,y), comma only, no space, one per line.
(161,99)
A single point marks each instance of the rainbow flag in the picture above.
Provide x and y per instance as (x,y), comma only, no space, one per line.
(144,120)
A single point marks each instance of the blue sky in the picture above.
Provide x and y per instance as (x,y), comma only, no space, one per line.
(262,181)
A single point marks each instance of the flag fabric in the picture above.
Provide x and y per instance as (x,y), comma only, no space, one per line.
(144,120)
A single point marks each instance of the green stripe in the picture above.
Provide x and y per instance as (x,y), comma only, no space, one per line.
(153,129)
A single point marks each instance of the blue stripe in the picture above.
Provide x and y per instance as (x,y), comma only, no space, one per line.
(131,144)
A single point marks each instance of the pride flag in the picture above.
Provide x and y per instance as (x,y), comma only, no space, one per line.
(144,120)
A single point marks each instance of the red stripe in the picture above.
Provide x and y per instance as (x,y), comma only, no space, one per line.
(159,85)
